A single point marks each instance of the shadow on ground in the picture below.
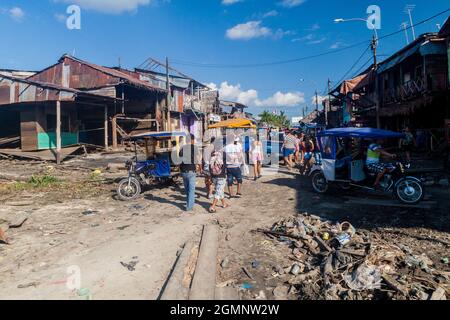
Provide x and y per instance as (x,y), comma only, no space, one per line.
(333,206)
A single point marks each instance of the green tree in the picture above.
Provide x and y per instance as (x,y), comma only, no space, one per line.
(274,120)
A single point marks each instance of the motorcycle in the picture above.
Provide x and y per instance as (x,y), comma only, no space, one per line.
(348,172)
(146,173)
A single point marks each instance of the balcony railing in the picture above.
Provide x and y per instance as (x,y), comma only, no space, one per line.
(405,92)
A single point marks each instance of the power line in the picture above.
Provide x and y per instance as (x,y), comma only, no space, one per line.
(414,25)
(266,64)
(354,65)
(364,66)
(280,62)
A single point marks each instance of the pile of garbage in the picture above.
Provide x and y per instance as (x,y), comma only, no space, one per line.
(334,261)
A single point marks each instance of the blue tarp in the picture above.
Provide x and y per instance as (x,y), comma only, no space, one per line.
(367,133)
(161,166)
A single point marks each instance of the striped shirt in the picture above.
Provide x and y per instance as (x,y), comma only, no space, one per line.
(290,142)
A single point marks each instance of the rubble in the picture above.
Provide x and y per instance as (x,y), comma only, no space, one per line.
(334,261)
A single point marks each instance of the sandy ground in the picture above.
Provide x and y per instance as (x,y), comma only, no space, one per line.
(80,226)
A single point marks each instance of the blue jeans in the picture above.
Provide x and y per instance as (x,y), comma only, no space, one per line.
(189,179)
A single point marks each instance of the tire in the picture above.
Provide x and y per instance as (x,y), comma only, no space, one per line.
(129,192)
(319,182)
(409,191)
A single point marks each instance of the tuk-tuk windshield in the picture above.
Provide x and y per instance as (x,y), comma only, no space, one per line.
(327,147)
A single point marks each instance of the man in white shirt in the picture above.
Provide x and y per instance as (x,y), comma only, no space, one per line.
(234,158)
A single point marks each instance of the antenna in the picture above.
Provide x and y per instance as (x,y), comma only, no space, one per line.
(408,9)
(438,25)
(404,26)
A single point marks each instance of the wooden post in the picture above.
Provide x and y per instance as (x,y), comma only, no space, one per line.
(58,132)
(106,127)
(114,132)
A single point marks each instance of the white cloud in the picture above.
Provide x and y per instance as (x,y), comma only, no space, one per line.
(230,2)
(317,41)
(248,30)
(291,3)
(251,97)
(108,6)
(254,29)
(314,27)
(272,13)
(16,13)
(310,39)
(60,17)
(336,45)
(280,99)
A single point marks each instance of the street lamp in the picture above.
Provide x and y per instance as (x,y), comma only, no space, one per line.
(340,20)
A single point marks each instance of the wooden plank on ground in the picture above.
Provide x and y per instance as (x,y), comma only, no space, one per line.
(44,155)
(204,281)
(174,289)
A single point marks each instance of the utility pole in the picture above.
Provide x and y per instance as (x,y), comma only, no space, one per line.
(404,26)
(408,9)
(329,103)
(168,125)
(374,50)
(317,101)
(375,68)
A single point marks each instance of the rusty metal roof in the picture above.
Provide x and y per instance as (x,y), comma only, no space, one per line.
(19,90)
(129,77)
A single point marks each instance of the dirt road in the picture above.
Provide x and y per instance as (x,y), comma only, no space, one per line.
(125,250)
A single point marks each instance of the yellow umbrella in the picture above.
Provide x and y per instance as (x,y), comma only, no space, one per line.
(234,124)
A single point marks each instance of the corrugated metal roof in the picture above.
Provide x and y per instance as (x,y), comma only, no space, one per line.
(423,44)
(126,77)
(19,90)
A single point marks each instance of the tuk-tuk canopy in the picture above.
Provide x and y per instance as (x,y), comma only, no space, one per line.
(158,135)
(364,133)
(239,123)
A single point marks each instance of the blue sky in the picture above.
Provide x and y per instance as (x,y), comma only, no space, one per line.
(203,37)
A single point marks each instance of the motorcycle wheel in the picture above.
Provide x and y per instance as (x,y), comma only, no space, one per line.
(128,189)
(409,191)
(319,182)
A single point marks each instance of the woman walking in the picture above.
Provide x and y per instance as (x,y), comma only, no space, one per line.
(257,157)
(219,178)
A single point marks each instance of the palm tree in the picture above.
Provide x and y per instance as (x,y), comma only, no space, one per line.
(280,121)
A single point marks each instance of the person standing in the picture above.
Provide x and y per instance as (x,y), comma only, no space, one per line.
(407,144)
(218,174)
(289,150)
(308,147)
(207,151)
(234,159)
(301,149)
(190,165)
(257,157)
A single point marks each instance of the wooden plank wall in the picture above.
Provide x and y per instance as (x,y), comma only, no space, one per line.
(28,129)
